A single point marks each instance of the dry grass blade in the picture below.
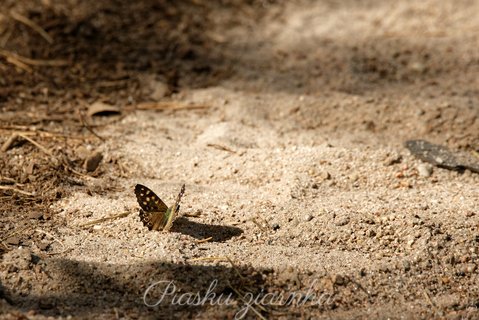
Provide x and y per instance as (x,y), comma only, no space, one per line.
(204,240)
(19,64)
(169,105)
(250,307)
(235,268)
(97,221)
(89,128)
(33,62)
(36,144)
(17,190)
(43,134)
(10,141)
(220,147)
(49,153)
(29,23)
(209,259)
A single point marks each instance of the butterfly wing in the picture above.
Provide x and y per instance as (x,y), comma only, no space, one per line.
(173,211)
(154,213)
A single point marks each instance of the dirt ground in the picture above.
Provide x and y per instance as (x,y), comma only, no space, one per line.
(286,120)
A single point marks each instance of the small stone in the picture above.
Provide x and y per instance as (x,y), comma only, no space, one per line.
(308,217)
(424,170)
(410,242)
(418,67)
(294,222)
(43,245)
(339,280)
(160,90)
(325,175)
(35,215)
(14,241)
(470,268)
(93,161)
(275,226)
(370,233)
(342,222)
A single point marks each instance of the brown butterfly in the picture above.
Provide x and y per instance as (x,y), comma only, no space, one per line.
(154,213)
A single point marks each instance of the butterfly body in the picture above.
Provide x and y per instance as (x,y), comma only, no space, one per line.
(154,213)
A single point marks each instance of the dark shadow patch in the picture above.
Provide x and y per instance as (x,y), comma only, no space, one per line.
(201,231)
(90,289)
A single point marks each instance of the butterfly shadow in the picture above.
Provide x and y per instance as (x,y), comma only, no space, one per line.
(218,233)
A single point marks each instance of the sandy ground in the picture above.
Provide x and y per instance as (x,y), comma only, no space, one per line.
(296,175)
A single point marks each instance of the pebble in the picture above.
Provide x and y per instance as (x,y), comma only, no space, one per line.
(470,268)
(424,170)
(308,217)
(370,233)
(342,222)
(339,279)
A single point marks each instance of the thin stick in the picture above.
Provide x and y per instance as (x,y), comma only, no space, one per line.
(17,190)
(166,105)
(244,301)
(48,152)
(41,133)
(210,259)
(33,62)
(9,142)
(19,64)
(235,269)
(36,144)
(97,221)
(204,240)
(220,147)
(10,180)
(6,37)
(33,25)
(89,128)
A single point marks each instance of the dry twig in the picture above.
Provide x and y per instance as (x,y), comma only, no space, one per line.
(204,240)
(29,23)
(89,128)
(17,190)
(220,147)
(210,259)
(246,302)
(169,105)
(32,62)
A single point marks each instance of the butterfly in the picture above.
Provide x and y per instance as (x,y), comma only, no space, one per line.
(154,213)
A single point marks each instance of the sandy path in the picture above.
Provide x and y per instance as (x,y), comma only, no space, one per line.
(297,171)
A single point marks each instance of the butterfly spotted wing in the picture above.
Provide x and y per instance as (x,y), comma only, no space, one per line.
(154,213)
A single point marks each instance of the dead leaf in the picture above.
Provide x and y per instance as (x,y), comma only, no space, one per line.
(102,109)
(92,162)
